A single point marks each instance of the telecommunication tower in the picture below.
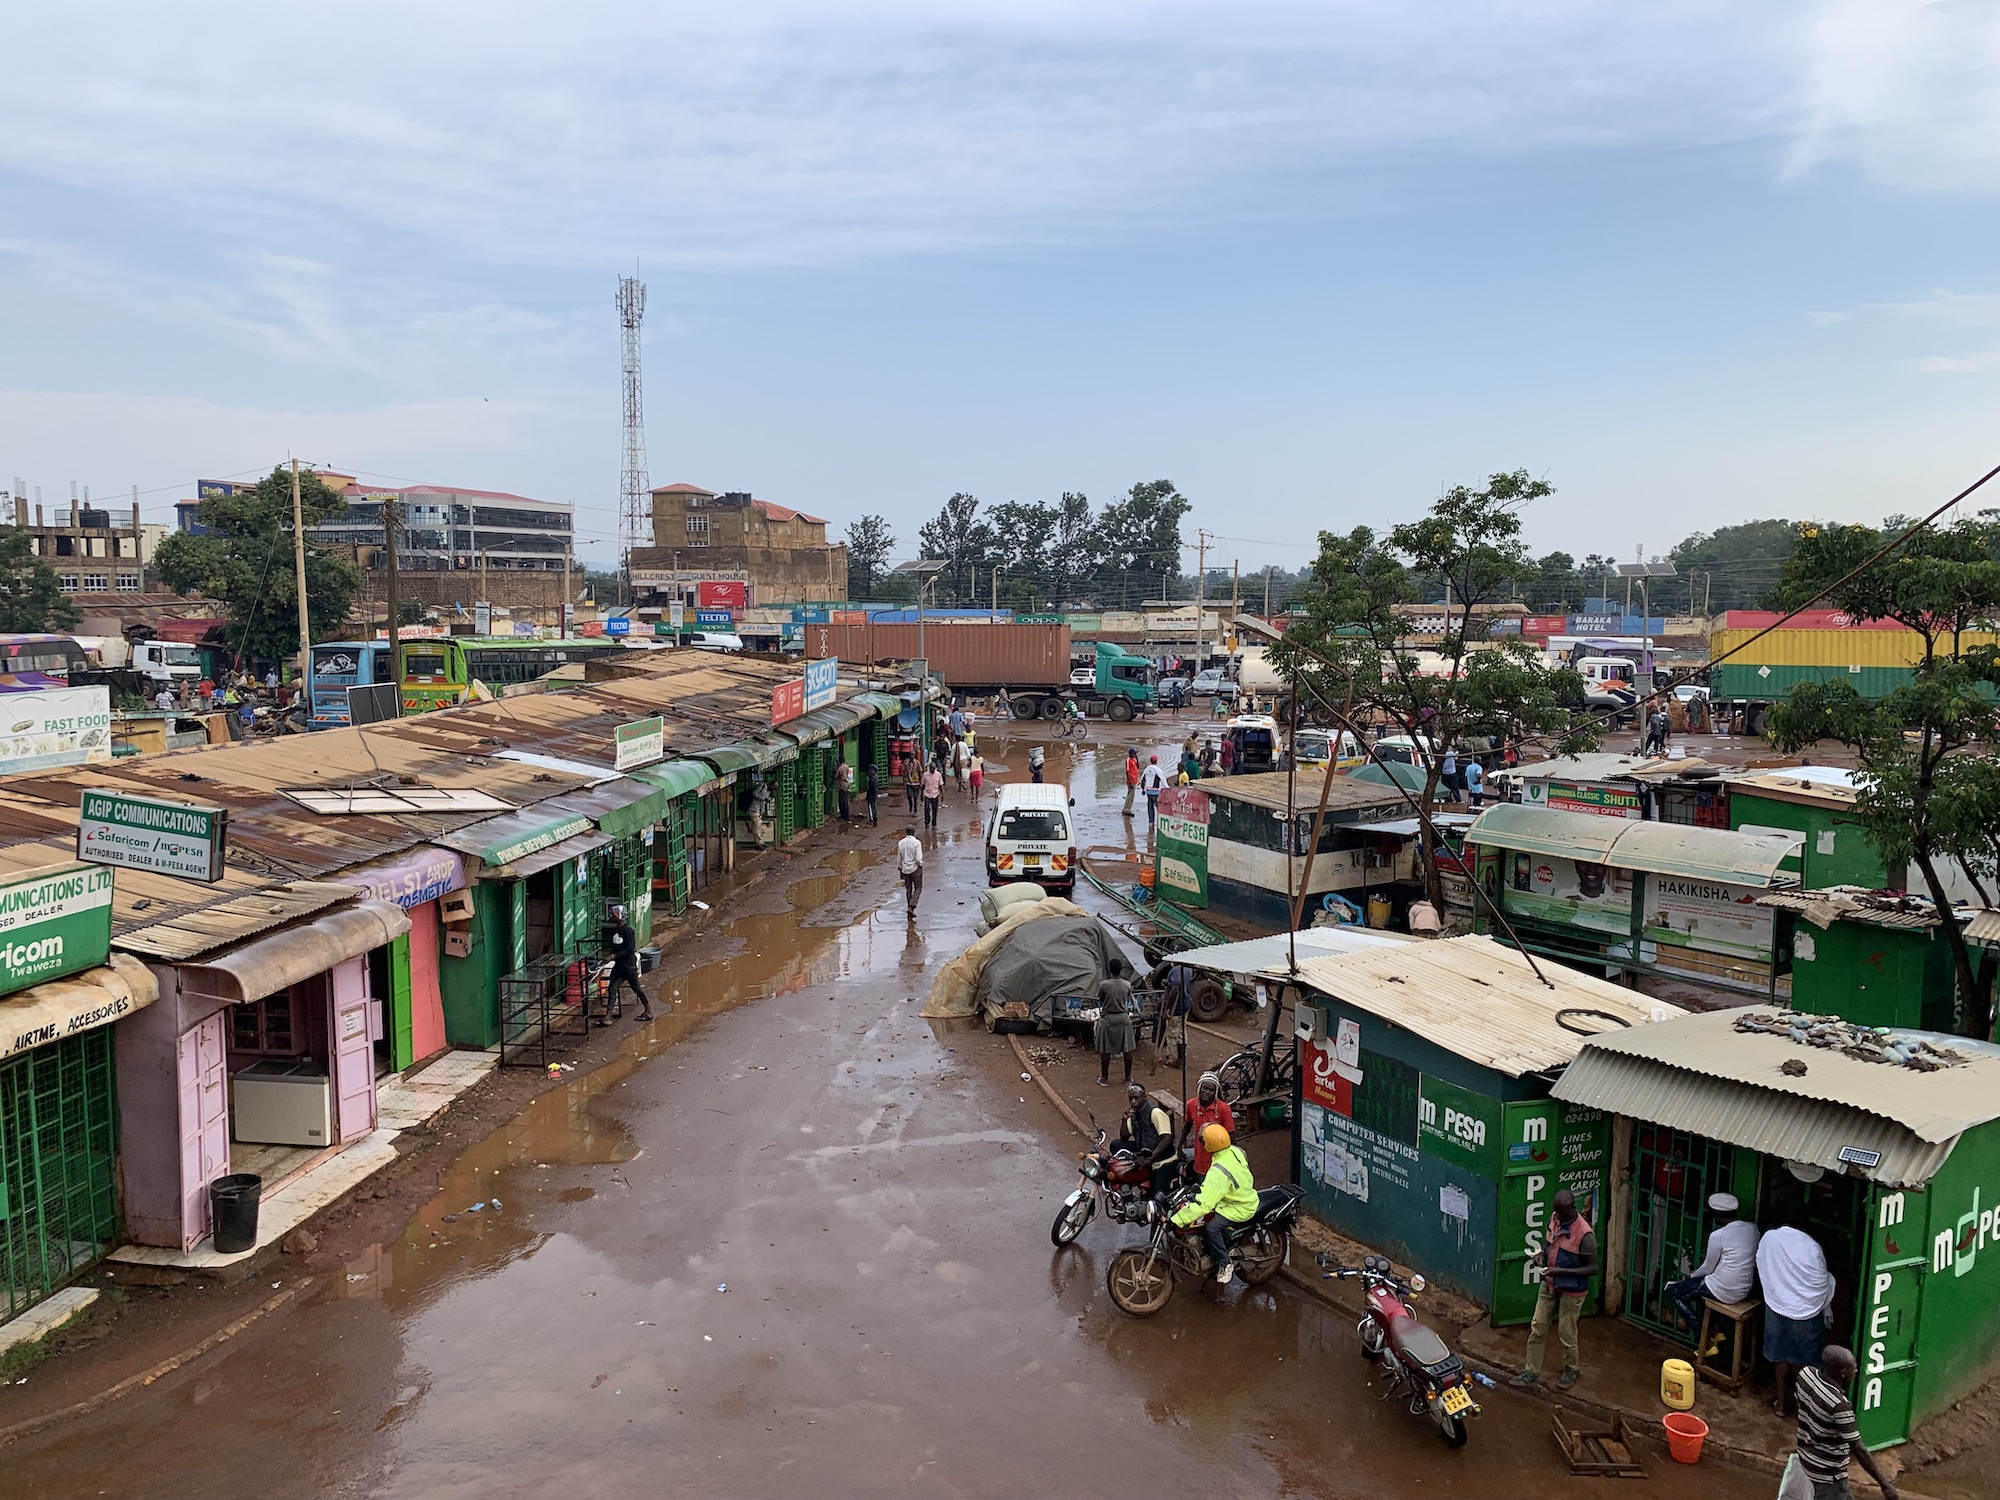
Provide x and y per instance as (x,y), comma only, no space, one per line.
(635,509)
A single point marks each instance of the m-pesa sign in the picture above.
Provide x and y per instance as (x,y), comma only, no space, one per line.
(53,921)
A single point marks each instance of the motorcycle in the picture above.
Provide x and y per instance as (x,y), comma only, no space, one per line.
(1410,1356)
(1118,1179)
(1141,1277)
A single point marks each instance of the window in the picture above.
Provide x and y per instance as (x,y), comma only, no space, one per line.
(66,582)
(697,541)
(1042,824)
(96,583)
(696,502)
(263,1026)
(697,525)
(128,583)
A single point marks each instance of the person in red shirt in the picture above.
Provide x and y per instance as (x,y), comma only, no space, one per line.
(1131,778)
(1207,1107)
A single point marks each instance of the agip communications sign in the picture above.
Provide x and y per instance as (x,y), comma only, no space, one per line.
(154,834)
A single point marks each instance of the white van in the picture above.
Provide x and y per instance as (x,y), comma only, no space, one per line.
(1032,837)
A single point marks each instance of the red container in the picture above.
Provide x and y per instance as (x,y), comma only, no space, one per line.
(1685,1434)
(970,656)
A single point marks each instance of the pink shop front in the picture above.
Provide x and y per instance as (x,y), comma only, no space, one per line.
(258,1056)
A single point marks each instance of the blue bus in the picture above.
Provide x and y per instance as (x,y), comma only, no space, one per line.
(337,666)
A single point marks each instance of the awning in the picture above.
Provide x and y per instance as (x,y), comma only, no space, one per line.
(546,858)
(886,705)
(410,878)
(766,749)
(729,759)
(497,841)
(1713,854)
(284,958)
(677,777)
(1563,835)
(620,807)
(60,1008)
(825,723)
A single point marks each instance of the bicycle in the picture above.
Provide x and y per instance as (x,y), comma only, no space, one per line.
(1072,729)
(1237,1078)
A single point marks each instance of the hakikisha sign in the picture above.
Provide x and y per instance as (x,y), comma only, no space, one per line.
(53,922)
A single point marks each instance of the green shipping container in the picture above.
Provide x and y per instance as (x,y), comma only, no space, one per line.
(1771,682)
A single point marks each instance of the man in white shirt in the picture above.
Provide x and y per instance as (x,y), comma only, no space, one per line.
(1152,781)
(910,865)
(1798,1304)
(1728,1272)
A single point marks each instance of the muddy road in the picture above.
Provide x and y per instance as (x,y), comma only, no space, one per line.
(793,1241)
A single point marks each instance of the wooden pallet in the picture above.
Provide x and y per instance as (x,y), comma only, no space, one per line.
(1594,1451)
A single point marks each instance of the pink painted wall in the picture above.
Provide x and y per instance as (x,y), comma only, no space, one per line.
(426,1000)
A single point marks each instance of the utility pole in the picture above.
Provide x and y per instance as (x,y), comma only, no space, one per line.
(390,521)
(994,617)
(1200,595)
(634,497)
(562,611)
(1267,591)
(299,566)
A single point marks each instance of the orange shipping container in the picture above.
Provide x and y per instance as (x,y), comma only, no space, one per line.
(970,656)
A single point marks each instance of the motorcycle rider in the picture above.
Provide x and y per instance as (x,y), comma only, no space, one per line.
(1147,1131)
(1228,1198)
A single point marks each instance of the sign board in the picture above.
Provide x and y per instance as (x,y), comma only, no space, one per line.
(1181,855)
(1684,917)
(676,614)
(526,627)
(155,834)
(482,619)
(721,593)
(822,679)
(1567,892)
(1457,1124)
(788,701)
(1545,625)
(1038,619)
(1596,624)
(53,921)
(591,628)
(618,625)
(1604,800)
(640,743)
(371,703)
(54,727)
(410,879)
(1546,1146)
(713,619)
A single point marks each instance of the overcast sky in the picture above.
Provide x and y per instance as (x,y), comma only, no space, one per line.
(1310,261)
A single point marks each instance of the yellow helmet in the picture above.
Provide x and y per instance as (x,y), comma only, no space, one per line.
(1213,1138)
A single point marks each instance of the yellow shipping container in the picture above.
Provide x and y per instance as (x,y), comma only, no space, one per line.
(1787,647)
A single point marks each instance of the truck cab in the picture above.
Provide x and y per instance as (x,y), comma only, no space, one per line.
(1127,684)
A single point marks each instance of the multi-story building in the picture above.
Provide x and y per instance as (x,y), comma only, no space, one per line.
(93,550)
(781,554)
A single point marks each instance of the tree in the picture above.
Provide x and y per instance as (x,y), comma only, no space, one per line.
(31,599)
(1557,588)
(869,543)
(245,560)
(1347,653)
(1920,798)
(1140,542)
(1741,566)
(959,538)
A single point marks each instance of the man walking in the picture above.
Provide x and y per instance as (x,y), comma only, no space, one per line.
(1828,1434)
(913,778)
(933,790)
(1153,781)
(843,788)
(622,943)
(1131,778)
(1475,785)
(1568,1261)
(910,865)
(872,785)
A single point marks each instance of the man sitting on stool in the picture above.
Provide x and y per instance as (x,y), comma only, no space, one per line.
(1728,1273)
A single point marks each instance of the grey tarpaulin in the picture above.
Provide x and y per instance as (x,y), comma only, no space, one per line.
(1041,950)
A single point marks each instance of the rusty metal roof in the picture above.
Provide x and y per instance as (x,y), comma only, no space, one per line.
(192,933)
(1268,789)
(1700,1074)
(1848,903)
(1481,999)
(139,899)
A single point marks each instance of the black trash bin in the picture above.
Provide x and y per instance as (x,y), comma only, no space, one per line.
(232,1211)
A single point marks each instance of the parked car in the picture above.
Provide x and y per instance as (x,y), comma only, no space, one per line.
(1084,677)
(1212,684)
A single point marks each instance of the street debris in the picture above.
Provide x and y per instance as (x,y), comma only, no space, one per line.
(1874,1044)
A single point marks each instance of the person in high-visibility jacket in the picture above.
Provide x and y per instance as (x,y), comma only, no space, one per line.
(1228,1192)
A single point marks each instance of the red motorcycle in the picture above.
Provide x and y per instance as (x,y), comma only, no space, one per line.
(1119,1179)
(1411,1357)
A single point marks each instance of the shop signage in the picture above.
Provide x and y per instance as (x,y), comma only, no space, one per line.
(53,921)
(527,627)
(541,838)
(1457,1124)
(1704,916)
(1584,797)
(788,701)
(1548,1146)
(1545,625)
(482,619)
(1038,619)
(54,727)
(822,680)
(1567,892)
(713,619)
(1181,854)
(1596,624)
(721,593)
(591,628)
(618,625)
(409,880)
(640,743)
(154,834)
(677,613)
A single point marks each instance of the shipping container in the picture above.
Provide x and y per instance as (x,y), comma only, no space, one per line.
(969,657)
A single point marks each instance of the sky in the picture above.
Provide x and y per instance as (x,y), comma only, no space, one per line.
(1692,262)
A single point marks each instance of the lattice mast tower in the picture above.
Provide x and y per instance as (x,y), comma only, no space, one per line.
(635,507)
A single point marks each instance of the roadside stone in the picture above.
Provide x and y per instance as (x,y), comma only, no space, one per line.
(299,1242)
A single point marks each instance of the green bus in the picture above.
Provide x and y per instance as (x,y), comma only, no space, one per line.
(438,671)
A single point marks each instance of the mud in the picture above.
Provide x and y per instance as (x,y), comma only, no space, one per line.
(790,1241)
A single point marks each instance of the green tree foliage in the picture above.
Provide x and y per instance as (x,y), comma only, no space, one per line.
(869,542)
(957,537)
(1140,541)
(31,601)
(1741,566)
(245,560)
(1347,652)
(1922,798)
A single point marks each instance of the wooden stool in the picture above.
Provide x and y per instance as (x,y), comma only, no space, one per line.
(1742,1351)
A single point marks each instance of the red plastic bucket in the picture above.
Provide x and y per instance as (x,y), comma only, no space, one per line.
(1685,1434)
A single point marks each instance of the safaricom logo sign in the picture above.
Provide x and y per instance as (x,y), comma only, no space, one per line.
(1957,1249)
(22,955)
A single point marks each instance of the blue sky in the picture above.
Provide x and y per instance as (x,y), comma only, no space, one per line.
(1311,261)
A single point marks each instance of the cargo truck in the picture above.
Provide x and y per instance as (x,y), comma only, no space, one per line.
(1028,663)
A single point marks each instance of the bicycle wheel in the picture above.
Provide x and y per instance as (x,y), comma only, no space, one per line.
(1237,1077)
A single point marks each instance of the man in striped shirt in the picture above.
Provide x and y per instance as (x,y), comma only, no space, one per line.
(1828,1436)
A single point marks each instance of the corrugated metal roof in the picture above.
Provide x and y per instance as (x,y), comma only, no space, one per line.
(1983,927)
(1602,766)
(1833,904)
(1268,789)
(193,933)
(1799,784)
(1270,955)
(1658,848)
(1701,1074)
(1480,999)
(140,900)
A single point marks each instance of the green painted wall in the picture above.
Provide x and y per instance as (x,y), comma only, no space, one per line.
(1958,1334)
(1740,680)
(470,986)
(1836,852)
(1874,976)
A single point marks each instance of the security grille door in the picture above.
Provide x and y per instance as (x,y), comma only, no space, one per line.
(58,1148)
(1672,1175)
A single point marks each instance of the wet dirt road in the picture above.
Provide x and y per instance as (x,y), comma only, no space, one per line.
(874,1195)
